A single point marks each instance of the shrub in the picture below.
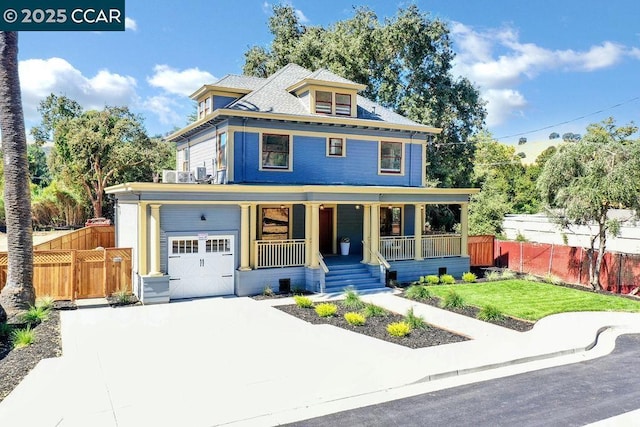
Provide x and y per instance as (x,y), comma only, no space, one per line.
(492,276)
(297,290)
(372,310)
(123,296)
(414,321)
(432,279)
(398,329)
(469,277)
(531,278)
(35,315)
(45,302)
(490,313)
(352,300)
(326,309)
(22,337)
(417,292)
(447,279)
(554,280)
(267,291)
(453,300)
(355,319)
(422,279)
(5,330)
(303,302)
(507,274)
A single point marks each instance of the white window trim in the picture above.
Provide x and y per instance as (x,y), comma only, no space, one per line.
(328,147)
(268,169)
(402,160)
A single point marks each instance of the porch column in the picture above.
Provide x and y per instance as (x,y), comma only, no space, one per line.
(418,225)
(366,234)
(244,237)
(252,234)
(464,229)
(308,234)
(314,228)
(143,236)
(375,232)
(154,241)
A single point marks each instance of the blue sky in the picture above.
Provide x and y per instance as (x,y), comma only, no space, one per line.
(537,63)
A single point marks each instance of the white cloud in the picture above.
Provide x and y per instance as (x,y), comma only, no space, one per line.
(164,108)
(130,24)
(301,17)
(40,77)
(497,61)
(177,82)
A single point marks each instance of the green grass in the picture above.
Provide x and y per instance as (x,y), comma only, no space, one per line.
(535,300)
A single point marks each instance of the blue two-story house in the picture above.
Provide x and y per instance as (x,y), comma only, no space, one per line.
(297,181)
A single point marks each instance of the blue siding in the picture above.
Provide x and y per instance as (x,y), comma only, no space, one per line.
(350,225)
(409,220)
(409,271)
(222,101)
(298,222)
(311,165)
(253,282)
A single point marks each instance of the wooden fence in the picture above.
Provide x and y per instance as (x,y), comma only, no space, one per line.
(77,274)
(481,250)
(82,239)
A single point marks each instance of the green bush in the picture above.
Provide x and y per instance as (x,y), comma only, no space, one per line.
(417,292)
(422,279)
(490,313)
(531,278)
(447,279)
(554,280)
(372,310)
(35,315)
(326,309)
(352,300)
(432,279)
(355,319)
(267,291)
(469,277)
(22,337)
(123,296)
(507,275)
(453,300)
(414,321)
(492,276)
(45,302)
(303,302)
(398,329)
(297,290)
(5,330)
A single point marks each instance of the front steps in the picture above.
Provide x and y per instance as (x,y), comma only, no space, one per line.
(356,276)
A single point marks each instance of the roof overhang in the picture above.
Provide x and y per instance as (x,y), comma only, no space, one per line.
(298,86)
(218,89)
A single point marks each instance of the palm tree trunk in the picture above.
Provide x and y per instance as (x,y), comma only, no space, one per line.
(18,292)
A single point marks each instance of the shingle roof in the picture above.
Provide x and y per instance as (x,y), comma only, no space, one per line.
(240,82)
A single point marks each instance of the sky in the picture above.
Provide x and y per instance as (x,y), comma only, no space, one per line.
(542,66)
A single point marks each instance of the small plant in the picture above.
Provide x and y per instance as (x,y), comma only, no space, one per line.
(5,330)
(521,237)
(355,319)
(492,276)
(398,329)
(554,280)
(352,300)
(453,300)
(303,302)
(123,296)
(35,315)
(469,277)
(297,290)
(531,278)
(507,275)
(45,302)
(372,310)
(414,321)
(417,292)
(490,313)
(422,279)
(267,291)
(447,279)
(432,279)
(345,240)
(22,337)
(326,309)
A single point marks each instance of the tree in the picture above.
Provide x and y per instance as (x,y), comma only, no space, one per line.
(522,140)
(95,147)
(38,169)
(554,135)
(405,63)
(582,182)
(54,109)
(18,293)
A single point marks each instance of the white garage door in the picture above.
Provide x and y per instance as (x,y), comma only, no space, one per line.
(201,266)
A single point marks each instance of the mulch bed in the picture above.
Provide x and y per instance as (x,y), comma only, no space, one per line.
(376,327)
(16,364)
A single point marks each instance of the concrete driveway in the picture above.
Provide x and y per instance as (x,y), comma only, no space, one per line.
(235,360)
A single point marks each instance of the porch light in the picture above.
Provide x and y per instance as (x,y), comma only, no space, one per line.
(321,206)
(390,207)
(203,218)
(357,206)
(281,206)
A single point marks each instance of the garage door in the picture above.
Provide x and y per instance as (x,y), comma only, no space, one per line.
(201,266)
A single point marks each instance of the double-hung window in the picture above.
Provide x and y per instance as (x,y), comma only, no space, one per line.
(336,147)
(275,151)
(343,104)
(324,102)
(391,157)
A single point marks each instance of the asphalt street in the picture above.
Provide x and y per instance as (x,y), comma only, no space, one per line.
(570,395)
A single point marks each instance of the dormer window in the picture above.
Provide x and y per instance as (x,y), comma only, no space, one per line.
(343,104)
(204,107)
(324,102)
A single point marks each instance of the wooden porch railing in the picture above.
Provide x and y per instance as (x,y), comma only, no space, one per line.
(279,253)
(441,245)
(397,248)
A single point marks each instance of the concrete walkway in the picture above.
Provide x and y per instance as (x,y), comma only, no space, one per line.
(239,361)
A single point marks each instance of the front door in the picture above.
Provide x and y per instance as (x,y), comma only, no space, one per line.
(325,233)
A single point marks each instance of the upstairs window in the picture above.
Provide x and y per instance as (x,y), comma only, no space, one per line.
(275,151)
(336,147)
(391,157)
(343,104)
(324,102)
(200,109)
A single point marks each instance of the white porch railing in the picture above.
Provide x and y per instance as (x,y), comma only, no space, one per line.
(441,245)
(397,248)
(279,253)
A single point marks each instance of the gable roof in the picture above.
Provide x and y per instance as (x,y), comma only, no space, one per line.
(272,96)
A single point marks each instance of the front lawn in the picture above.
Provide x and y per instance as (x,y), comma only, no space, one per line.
(532,300)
